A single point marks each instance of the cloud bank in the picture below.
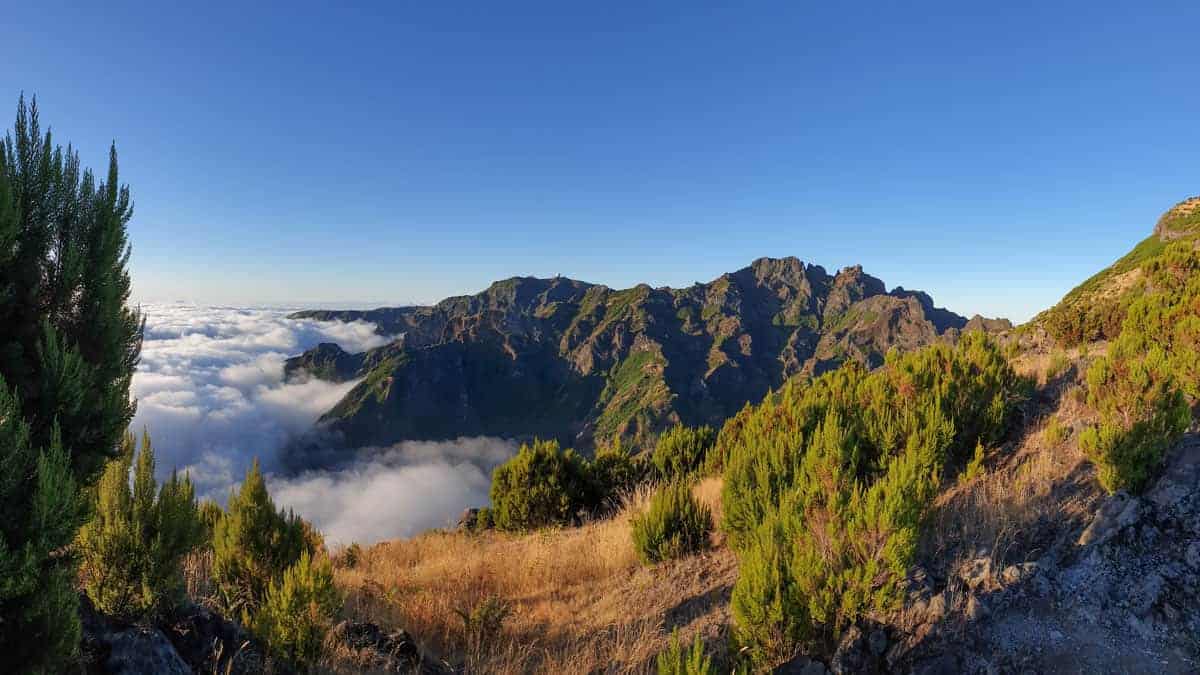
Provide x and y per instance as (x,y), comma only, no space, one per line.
(396,492)
(210,390)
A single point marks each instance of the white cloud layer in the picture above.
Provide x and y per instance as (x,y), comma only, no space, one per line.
(210,386)
(210,390)
(399,492)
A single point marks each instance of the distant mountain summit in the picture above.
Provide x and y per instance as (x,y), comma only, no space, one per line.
(585,363)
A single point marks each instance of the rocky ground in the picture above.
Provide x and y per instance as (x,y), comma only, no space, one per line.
(1121,596)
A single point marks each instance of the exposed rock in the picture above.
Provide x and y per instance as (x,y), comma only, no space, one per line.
(139,650)
(375,650)
(857,653)
(468,519)
(112,648)
(1124,595)
(801,665)
(209,642)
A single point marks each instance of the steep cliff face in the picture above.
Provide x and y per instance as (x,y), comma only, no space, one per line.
(586,363)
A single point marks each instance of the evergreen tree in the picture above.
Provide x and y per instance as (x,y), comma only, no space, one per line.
(68,348)
(298,610)
(132,547)
(253,544)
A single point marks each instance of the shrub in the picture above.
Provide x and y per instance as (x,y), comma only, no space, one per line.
(614,471)
(682,450)
(975,466)
(298,609)
(821,467)
(674,525)
(540,486)
(483,623)
(1141,388)
(679,660)
(1059,363)
(210,514)
(253,544)
(132,548)
(1055,432)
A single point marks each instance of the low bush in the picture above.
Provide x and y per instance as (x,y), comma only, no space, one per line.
(681,451)
(542,485)
(1055,432)
(674,525)
(1141,388)
(678,659)
(827,483)
(615,472)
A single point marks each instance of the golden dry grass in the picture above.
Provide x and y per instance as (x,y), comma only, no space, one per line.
(1032,489)
(581,602)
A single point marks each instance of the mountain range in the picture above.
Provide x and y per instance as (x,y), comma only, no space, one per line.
(584,363)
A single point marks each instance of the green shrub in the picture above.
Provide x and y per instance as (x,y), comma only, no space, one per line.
(1059,363)
(677,659)
(132,547)
(674,525)
(1141,388)
(682,450)
(614,472)
(210,514)
(349,557)
(541,486)
(1055,432)
(483,623)
(823,466)
(975,466)
(253,544)
(298,610)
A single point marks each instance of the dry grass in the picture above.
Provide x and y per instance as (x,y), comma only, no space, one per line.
(581,602)
(1034,489)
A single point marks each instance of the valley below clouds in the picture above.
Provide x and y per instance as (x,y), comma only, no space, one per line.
(211,392)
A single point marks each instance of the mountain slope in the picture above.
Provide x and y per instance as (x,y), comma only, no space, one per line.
(586,363)
(1093,310)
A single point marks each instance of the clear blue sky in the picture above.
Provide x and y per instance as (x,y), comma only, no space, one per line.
(991,155)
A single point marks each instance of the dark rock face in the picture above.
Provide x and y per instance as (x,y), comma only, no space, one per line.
(565,359)
(110,648)
(192,640)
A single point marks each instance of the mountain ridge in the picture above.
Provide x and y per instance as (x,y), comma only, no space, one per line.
(586,363)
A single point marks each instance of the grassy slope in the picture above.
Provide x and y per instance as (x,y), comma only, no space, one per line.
(581,600)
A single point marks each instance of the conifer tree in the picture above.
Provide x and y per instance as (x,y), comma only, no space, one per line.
(132,547)
(298,610)
(253,544)
(68,347)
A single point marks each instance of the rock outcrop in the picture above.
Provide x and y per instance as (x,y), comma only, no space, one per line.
(1122,595)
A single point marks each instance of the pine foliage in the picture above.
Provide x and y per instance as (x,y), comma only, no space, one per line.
(132,547)
(253,544)
(677,659)
(674,525)
(68,347)
(681,451)
(542,485)
(298,609)
(1141,388)
(827,483)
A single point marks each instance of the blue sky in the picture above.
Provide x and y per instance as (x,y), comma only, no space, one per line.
(305,153)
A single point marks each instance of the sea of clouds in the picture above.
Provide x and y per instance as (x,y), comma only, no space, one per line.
(210,390)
